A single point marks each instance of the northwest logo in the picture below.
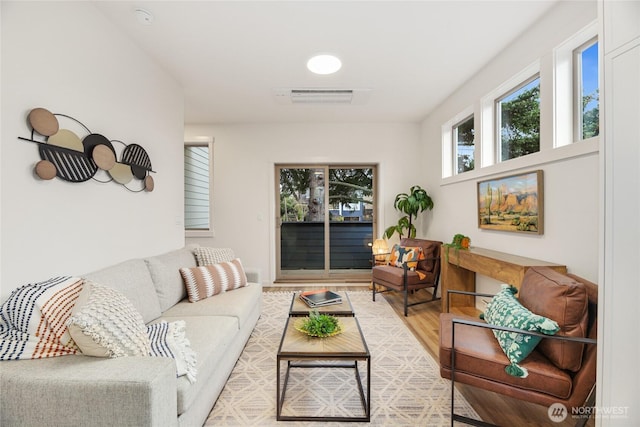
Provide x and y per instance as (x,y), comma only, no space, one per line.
(557,412)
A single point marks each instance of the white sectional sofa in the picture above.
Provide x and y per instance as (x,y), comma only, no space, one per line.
(138,391)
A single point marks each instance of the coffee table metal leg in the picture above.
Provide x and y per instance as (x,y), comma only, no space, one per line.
(365,399)
(278,402)
(280,398)
(369,389)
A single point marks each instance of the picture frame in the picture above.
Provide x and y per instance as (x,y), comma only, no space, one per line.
(512,203)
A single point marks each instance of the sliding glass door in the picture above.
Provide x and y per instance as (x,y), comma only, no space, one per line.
(325,221)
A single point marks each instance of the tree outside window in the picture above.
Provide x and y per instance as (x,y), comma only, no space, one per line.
(302,192)
(464,145)
(518,113)
(586,59)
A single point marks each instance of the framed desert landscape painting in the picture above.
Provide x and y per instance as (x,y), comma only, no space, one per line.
(512,203)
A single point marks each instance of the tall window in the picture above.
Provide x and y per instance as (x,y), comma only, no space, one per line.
(197,188)
(464,145)
(518,115)
(588,97)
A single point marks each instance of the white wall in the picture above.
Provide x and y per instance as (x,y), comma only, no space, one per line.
(619,347)
(244,188)
(571,184)
(66,57)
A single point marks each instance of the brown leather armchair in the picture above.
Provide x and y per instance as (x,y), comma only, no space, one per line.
(405,280)
(561,369)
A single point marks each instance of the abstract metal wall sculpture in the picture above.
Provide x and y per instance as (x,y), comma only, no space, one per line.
(72,159)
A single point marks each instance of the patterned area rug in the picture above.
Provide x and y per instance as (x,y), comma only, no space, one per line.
(406,388)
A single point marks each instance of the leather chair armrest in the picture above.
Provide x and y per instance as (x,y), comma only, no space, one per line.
(475,294)
(485,325)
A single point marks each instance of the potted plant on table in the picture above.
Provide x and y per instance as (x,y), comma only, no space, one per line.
(460,241)
(411,204)
(319,325)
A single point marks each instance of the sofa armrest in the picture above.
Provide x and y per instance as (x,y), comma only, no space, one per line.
(81,390)
(253,275)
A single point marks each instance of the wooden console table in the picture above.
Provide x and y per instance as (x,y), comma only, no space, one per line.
(460,272)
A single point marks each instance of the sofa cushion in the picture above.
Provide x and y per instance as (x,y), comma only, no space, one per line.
(239,305)
(393,277)
(504,309)
(478,354)
(209,337)
(208,256)
(209,280)
(565,300)
(165,273)
(133,280)
(104,323)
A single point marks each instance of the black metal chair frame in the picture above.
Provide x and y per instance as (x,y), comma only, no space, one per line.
(472,421)
(405,291)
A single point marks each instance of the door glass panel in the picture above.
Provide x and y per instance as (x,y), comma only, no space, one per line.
(350,218)
(302,212)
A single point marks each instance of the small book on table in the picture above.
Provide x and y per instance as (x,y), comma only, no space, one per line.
(320,298)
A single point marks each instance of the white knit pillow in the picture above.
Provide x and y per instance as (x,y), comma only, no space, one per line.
(209,280)
(104,323)
(209,256)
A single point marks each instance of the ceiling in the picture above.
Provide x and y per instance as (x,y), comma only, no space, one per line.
(230,56)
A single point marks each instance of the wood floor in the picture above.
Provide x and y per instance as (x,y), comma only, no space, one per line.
(423,322)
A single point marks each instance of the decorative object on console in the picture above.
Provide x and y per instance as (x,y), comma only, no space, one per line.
(512,203)
(460,241)
(65,155)
(411,205)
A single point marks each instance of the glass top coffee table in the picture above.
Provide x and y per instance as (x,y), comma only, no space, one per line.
(342,351)
(300,308)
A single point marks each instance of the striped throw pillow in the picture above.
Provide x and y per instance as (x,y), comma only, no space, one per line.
(208,256)
(209,280)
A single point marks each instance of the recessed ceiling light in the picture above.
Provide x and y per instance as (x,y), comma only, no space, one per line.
(324,64)
(143,16)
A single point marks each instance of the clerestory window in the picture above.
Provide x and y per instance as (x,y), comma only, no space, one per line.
(587,101)
(518,120)
(463,134)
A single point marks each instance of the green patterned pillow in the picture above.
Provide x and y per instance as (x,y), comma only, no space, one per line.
(504,309)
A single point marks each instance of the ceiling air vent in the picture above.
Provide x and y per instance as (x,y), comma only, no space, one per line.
(321,96)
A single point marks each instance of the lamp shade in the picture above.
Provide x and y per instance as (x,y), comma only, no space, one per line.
(380,247)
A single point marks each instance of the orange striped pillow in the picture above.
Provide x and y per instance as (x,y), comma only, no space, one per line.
(209,280)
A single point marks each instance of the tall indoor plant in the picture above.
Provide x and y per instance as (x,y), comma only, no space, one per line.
(411,205)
